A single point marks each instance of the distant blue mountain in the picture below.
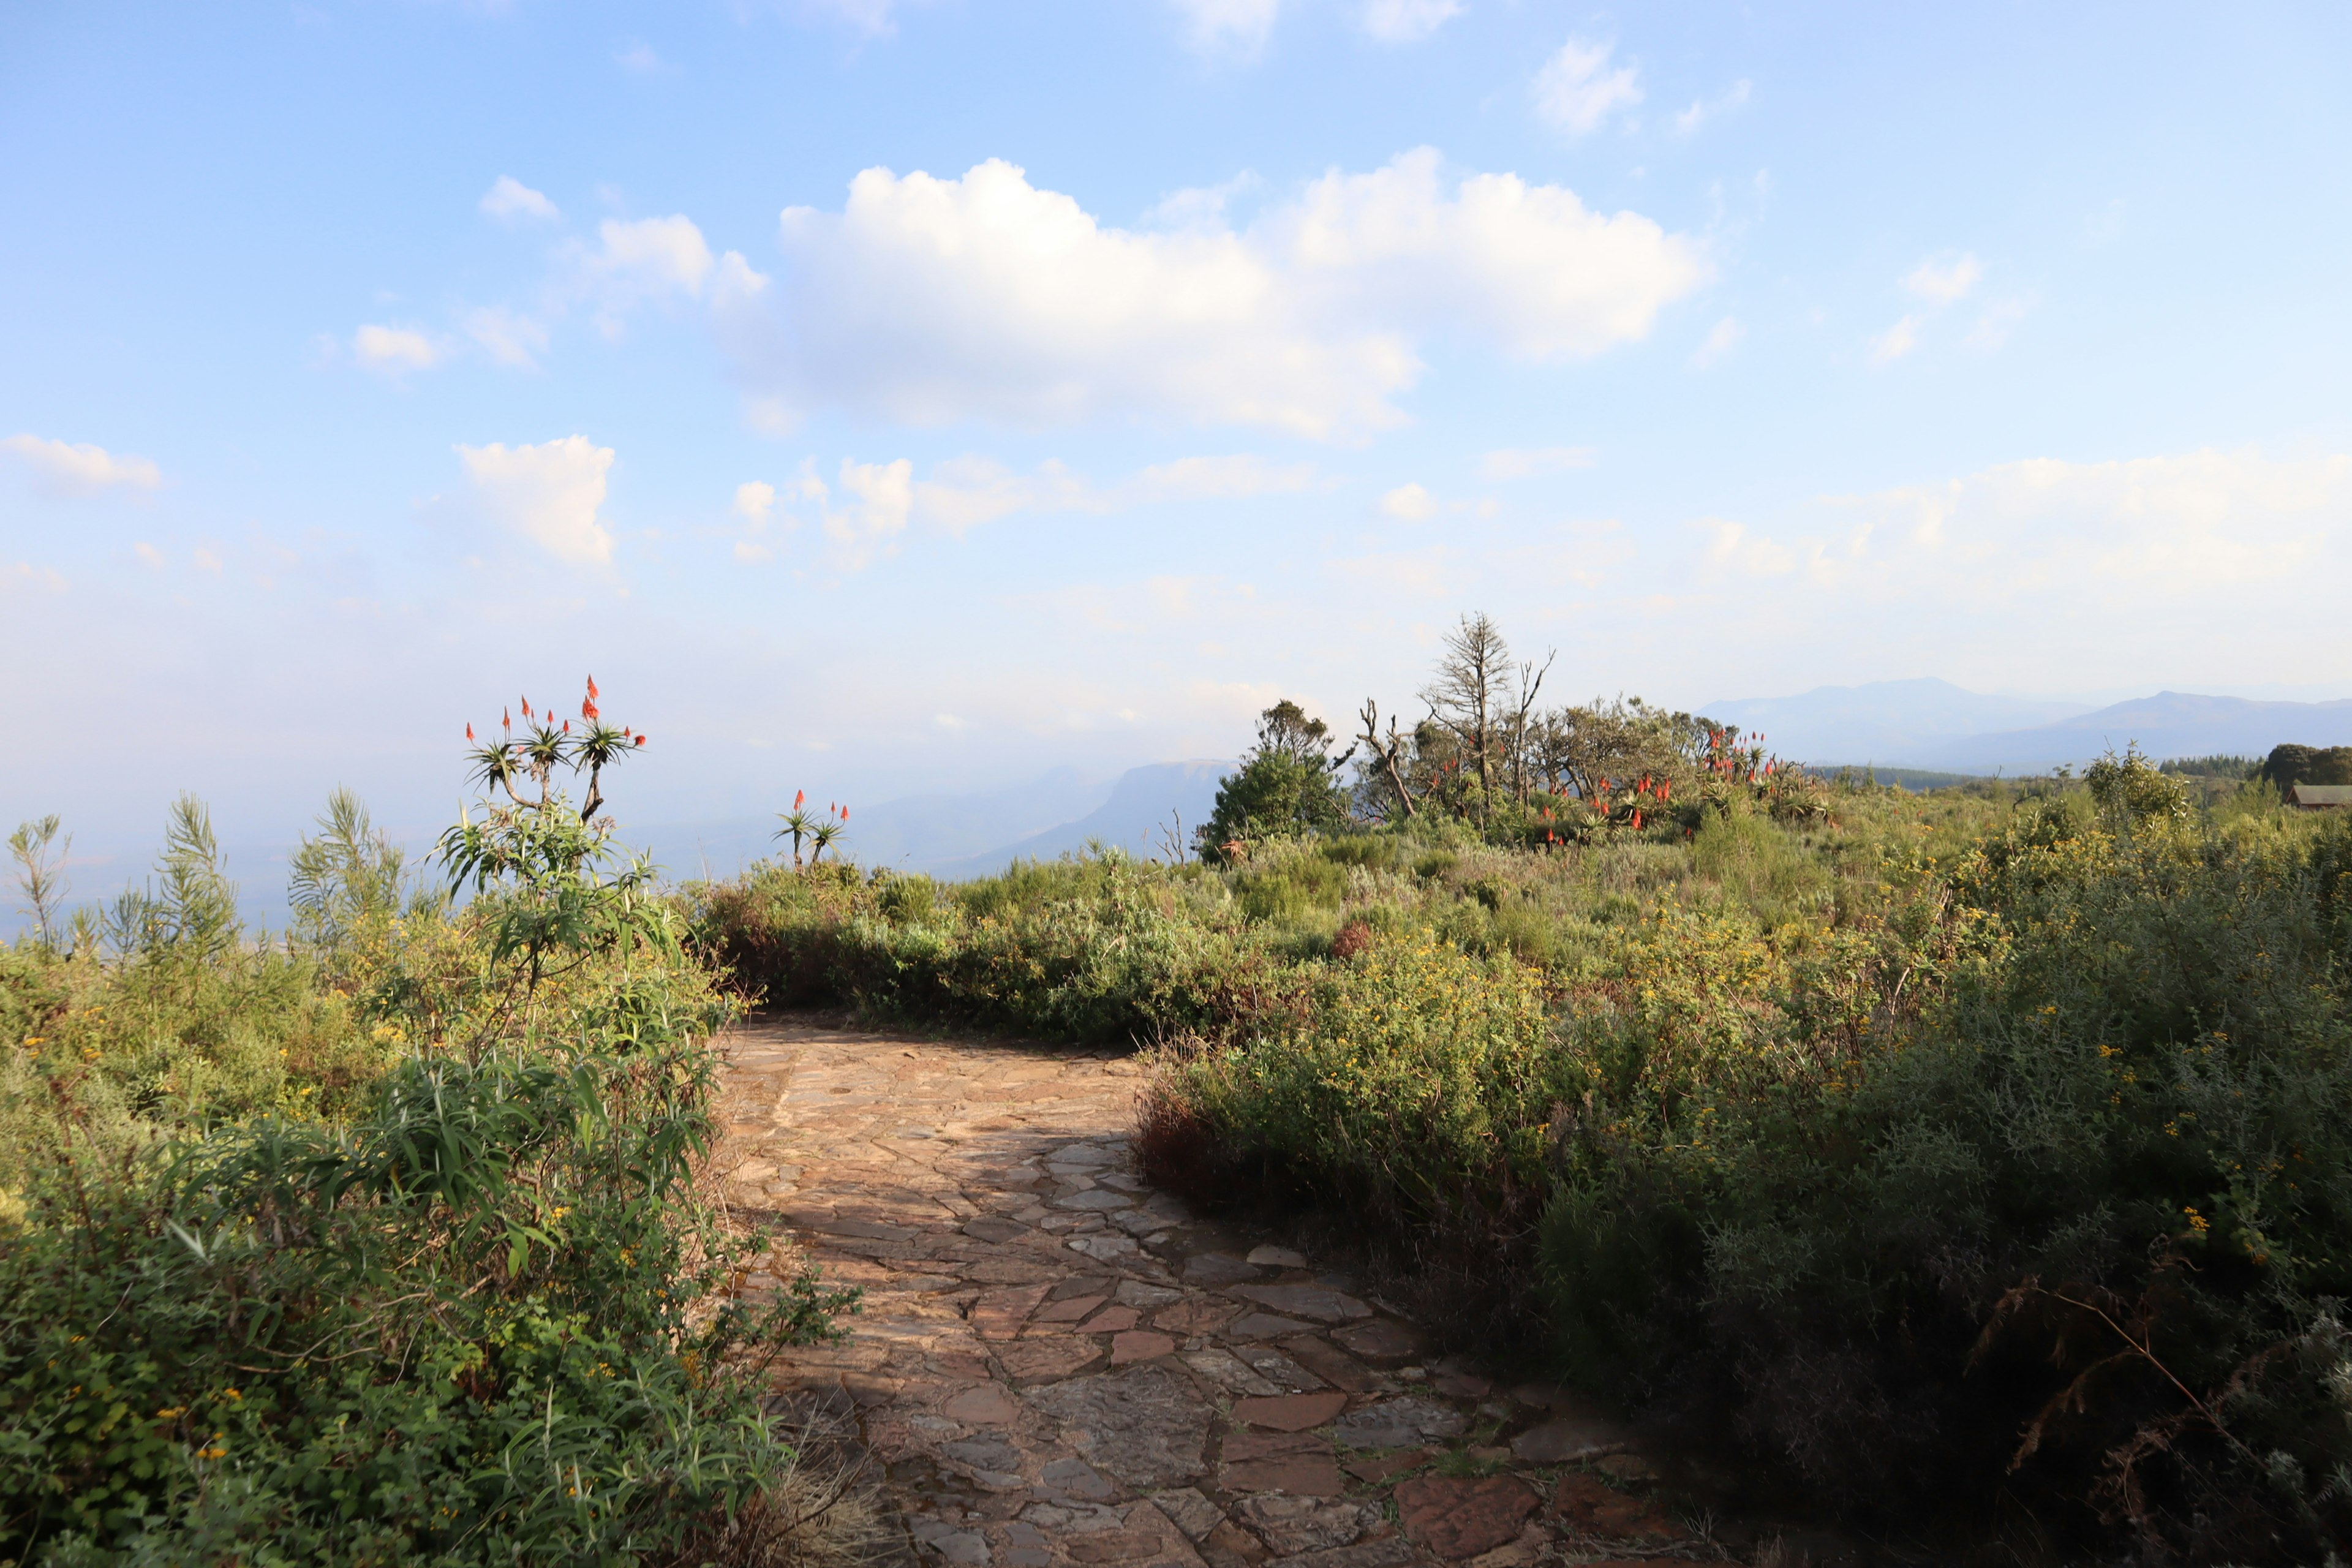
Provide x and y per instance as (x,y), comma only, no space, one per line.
(1147,808)
(2168,724)
(1898,722)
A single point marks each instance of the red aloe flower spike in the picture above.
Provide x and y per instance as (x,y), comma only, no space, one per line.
(800,799)
(588,708)
(593,692)
(506,717)
(469,731)
(1637,822)
(641,740)
(567,726)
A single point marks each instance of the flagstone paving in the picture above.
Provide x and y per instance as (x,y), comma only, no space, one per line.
(1056,1364)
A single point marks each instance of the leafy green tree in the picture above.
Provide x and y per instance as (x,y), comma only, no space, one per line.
(2288,766)
(1288,785)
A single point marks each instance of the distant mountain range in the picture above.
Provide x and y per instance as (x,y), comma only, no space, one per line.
(964,836)
(1935,725)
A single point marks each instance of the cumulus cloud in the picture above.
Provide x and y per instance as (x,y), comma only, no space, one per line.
(931,301)
(511,199)
(25,575)
(507,338)
(1228,26)
(1703,110)
(1408,21)
(1576,91)
(2120,535)
(1410,503)
(753,501)
(394,349)
(967,492)
(1896,341)
(1532,462)
(1944,280)
(1721,339)
(549,493)
(63,467)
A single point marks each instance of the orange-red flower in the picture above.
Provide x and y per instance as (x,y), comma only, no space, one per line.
(469,731)
(592,688)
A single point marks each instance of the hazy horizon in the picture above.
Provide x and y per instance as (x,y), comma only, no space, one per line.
(884,397)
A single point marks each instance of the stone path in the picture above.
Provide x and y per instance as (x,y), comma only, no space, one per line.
(1056,1364)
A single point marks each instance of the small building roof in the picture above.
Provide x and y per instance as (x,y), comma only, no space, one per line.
(2321,794)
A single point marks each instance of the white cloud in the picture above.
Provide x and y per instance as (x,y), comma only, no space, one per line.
(1408,21)
(640,60)
(880,497)
(1703,110)
(1532,462)
(1721,340)
(549,493)
(1943,280)
(871,17)
(1576,91)
(653,254)
(24,574)
(1229,27)
(1896,341)
(510,198)
(394,349)
(507,338)
(2115,537)
(149,556)
(1410,503)
(1996,322)
(965,492)
(753,500)
(63,467)
(932,300)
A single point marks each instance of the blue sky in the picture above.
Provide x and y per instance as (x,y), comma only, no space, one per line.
(881,396)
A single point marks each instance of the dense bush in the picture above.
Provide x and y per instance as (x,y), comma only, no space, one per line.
(1925,1151)
(382,1242)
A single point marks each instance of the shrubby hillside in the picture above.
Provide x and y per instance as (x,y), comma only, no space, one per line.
(1976,1165)
(382,1240)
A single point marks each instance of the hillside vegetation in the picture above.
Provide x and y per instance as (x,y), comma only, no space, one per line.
(380,1240)
(1976,1164)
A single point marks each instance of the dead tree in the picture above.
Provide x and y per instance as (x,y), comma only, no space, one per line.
(1470,691)
(1387,751)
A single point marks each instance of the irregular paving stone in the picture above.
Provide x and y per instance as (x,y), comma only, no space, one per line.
(1077,1479)
(1590,1504)
(993,1461)
(1272,1257)
(1262,1326)
(1113,1321)
(989,1228)
(1066,1311)
(1137,1294)
(1376,1469)
(1140,1344)
(1455,1383)
(1316,1302)
(1383,1341)
(999,1314)
(1193,1513)
(1278,1369)
(986,1405)
(1388,1552)
(1291,1412)
(1332,1364)
(1227,1371)
(1300,1475)
(1198,1316)
(1213,1270)
(1457,1518)
(1230,1546)
(1105,1249)
(1293,1524)
(1140,1424)
(1404,1423)
(1569,1438)
(1097,1200)
(1033,1361)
